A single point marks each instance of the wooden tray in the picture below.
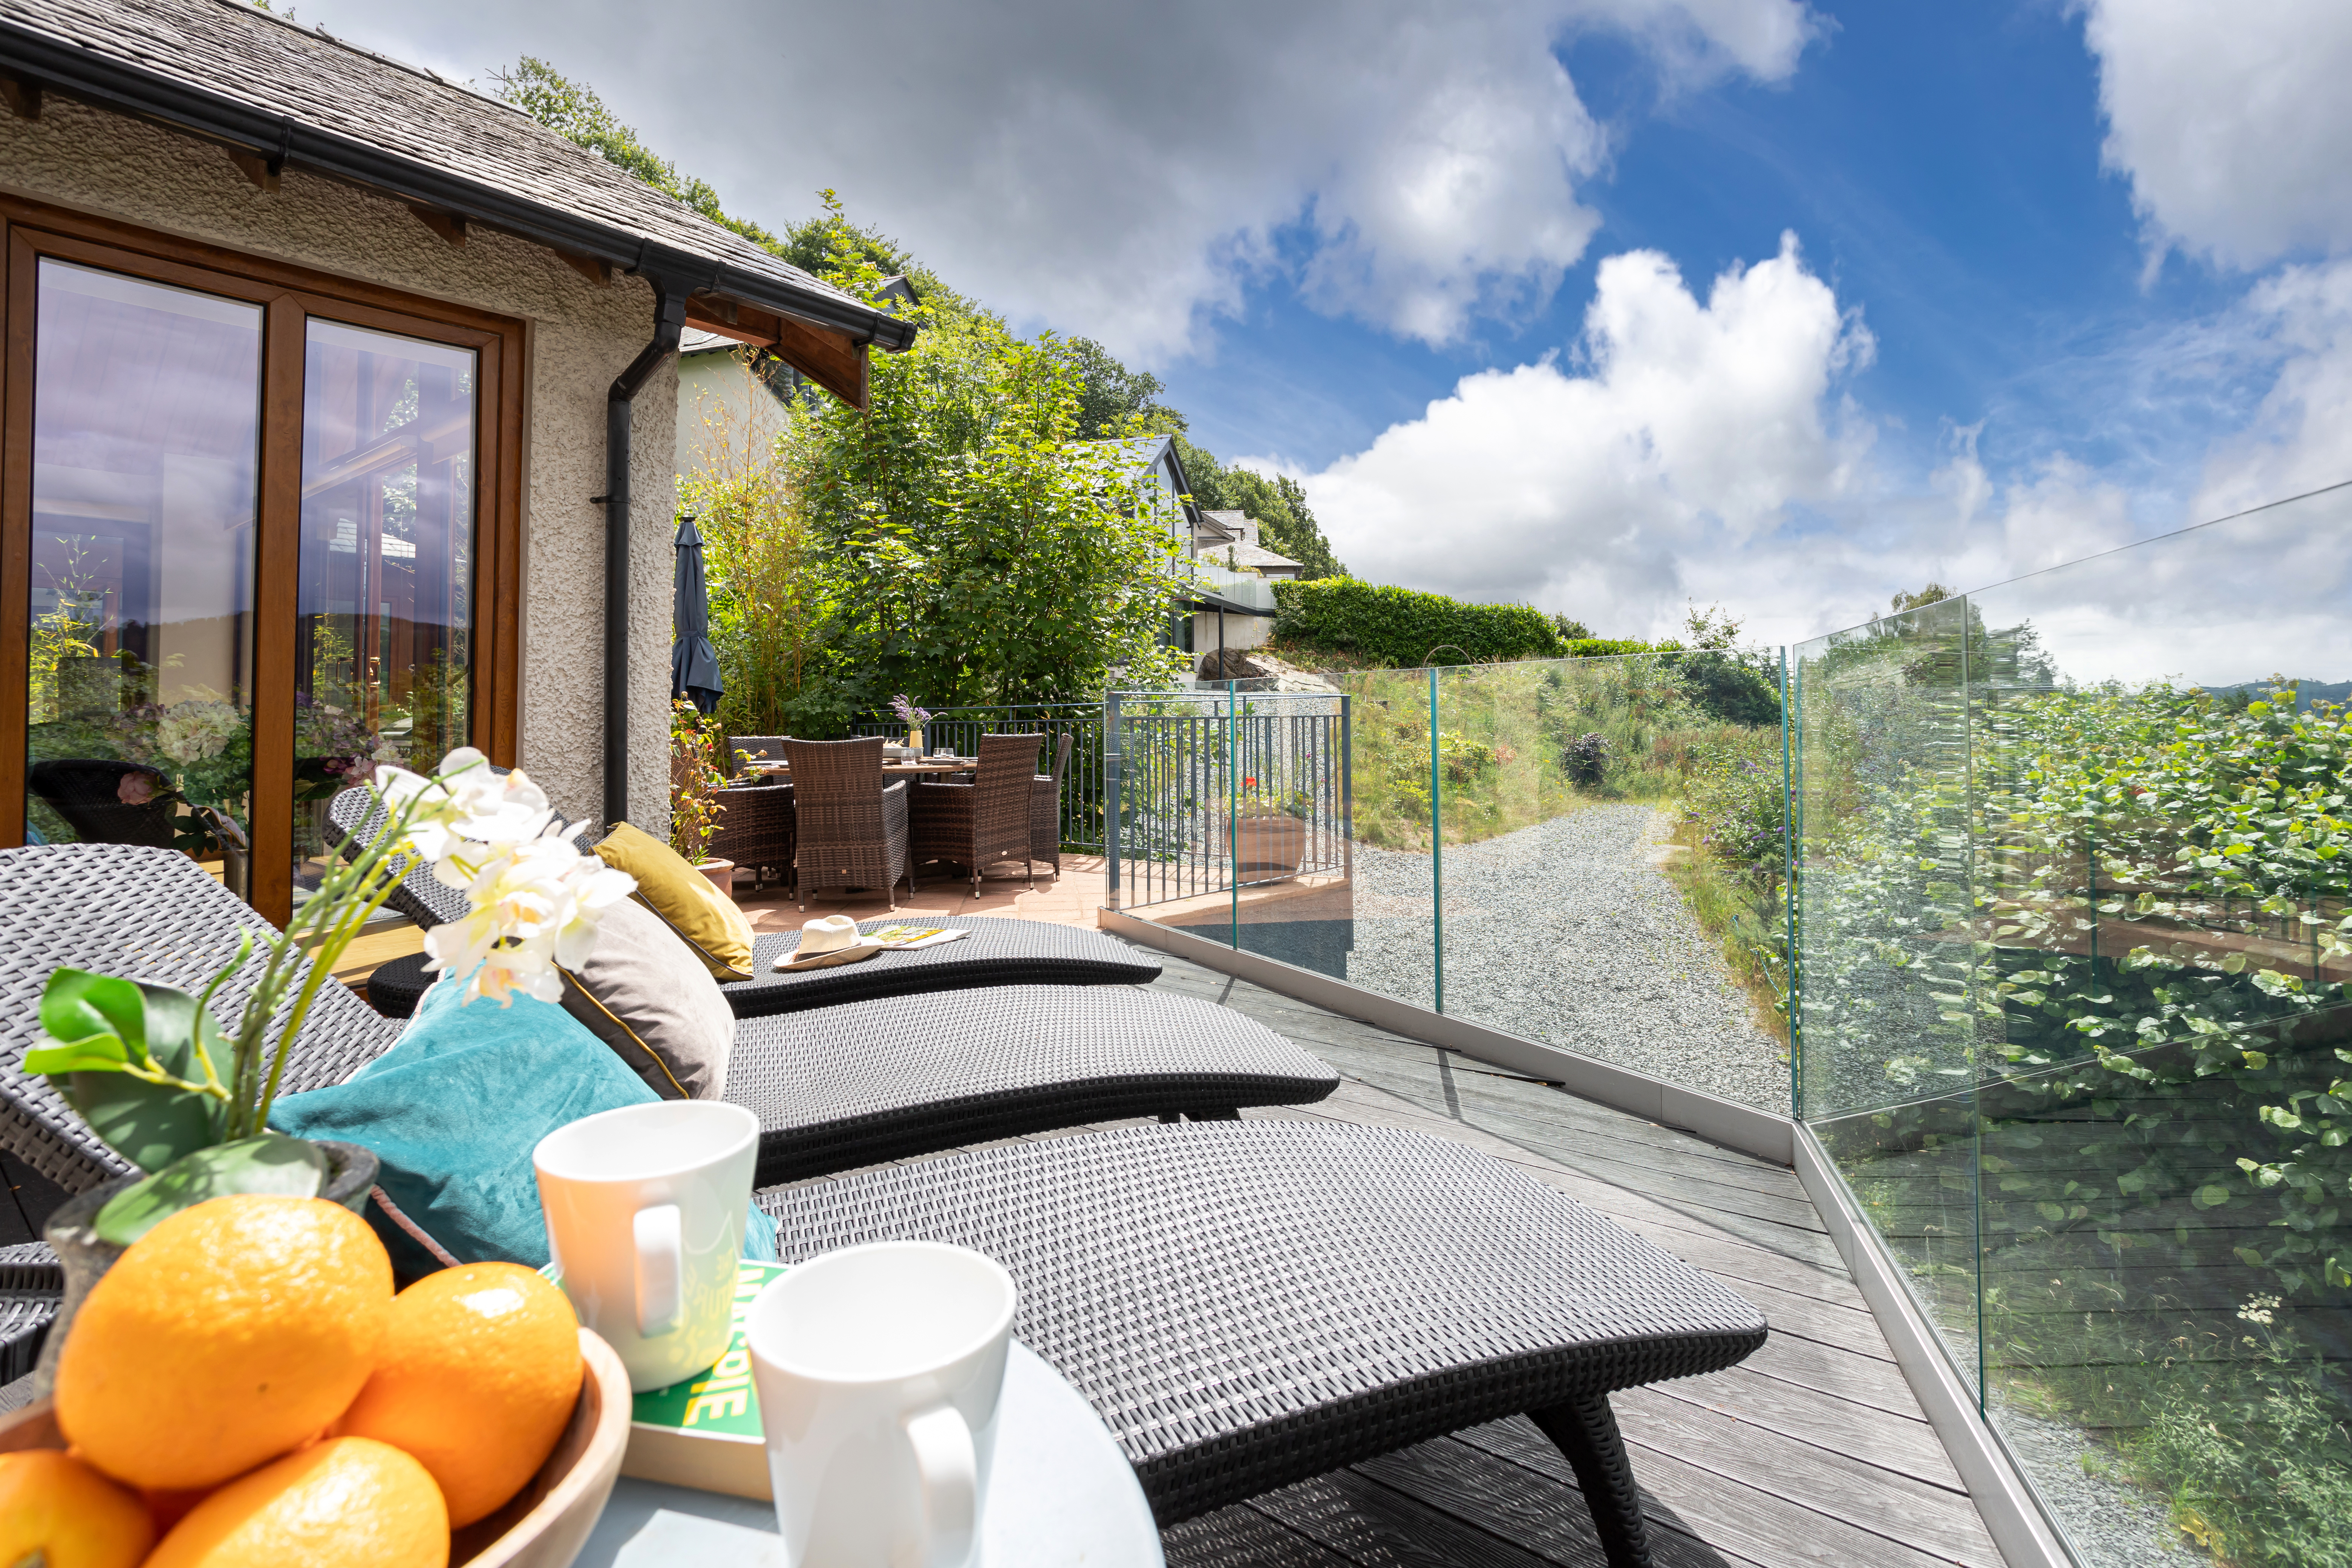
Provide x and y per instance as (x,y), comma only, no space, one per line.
(542,1526)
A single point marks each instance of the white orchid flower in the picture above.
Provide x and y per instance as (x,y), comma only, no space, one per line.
(535,898)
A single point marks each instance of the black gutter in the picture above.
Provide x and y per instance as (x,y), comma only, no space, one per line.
(114,83)
(669,321)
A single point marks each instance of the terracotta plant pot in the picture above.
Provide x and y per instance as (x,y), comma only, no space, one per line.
(351,1173)
(721,874)
(546,1523)
(1269,845)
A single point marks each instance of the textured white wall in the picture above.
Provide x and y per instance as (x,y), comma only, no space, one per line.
(579,337)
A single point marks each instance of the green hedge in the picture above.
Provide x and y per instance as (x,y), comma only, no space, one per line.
(1609,647)
(1399,626)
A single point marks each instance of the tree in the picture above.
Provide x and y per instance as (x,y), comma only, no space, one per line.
(1116,401)
(985,554)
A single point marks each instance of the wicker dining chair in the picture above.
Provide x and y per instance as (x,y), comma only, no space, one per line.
(758,748)
(1045,809)
(852,826)
(978,823)
(755,829)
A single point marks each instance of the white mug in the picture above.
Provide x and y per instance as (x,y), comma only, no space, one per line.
(645,1211)
(878,1370)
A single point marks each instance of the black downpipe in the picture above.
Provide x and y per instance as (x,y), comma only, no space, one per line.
(669,321)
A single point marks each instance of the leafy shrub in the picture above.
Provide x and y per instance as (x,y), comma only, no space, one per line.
(1611,647)
(1733,796)
(1401,627)
(1586,758)
(1726,687)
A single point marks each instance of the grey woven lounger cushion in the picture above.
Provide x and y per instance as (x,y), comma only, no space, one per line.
(1247,1304)
(838,1088)
(149,914)
(998,952)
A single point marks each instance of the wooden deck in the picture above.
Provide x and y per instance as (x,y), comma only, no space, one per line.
(1813,1451)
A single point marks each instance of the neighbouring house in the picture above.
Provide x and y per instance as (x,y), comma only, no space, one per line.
(338,419)
(1225,605)
(733,399)
(1232,541)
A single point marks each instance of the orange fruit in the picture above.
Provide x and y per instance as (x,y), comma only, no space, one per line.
(479,1371)
(223,1337)
(54,1505)
(338,1504)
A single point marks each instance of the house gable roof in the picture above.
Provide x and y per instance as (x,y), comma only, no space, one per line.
(278,93)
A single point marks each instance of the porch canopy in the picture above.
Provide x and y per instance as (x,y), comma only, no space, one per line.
(276,94)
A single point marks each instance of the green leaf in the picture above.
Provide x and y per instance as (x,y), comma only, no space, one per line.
(272,1163)
(151,1125)
(2211,1195)
(78,1008)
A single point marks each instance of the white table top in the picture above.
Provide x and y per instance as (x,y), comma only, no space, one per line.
(1062,1495)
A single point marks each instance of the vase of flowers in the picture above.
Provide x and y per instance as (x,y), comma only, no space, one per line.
(184,1098)
(912,717)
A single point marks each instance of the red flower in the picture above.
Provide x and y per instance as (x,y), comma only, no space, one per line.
(1249,783)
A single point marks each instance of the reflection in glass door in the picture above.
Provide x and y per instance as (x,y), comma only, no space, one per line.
(146,423)
(383,669)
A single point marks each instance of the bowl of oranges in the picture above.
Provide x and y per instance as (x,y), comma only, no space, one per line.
(244,1387)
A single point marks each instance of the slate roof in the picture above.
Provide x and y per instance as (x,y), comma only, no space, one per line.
(228,70)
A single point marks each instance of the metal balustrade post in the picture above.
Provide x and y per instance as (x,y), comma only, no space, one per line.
(1112,791)
(1436,859)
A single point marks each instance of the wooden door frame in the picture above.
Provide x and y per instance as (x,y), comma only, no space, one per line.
(287,295)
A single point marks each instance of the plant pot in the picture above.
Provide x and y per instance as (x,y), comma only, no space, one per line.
(1269,844)
(351,1173)
(544,1525)
(721,874)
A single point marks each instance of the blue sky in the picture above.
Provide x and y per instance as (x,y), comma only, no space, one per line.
(1940,165)
(1610,306)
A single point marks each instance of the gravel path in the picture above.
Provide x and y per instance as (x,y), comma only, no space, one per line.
(2114,1524)
(1565,932)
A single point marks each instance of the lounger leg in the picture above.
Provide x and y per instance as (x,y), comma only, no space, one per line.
(1586,1431)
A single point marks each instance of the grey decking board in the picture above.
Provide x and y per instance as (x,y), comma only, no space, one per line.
(1724,1512)
(1899,1443)
(1551,1517)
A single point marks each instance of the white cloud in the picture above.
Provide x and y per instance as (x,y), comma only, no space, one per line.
(2229,120)
(1121,168)
(1612,488)
(2230,124)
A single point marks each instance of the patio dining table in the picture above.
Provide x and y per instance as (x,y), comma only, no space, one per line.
(928,766)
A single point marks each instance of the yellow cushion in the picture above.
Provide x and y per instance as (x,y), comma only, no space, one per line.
(708,920)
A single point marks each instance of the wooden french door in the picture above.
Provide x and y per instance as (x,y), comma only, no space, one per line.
(258,536)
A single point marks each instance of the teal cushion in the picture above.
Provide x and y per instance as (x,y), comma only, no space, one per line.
(452,1113)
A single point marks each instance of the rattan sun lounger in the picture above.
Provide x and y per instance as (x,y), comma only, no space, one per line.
(1248,1304)
(996,951)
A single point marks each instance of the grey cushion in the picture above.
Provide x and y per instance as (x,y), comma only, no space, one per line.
(647,994)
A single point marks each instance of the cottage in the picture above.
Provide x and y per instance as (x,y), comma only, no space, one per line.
(338,417)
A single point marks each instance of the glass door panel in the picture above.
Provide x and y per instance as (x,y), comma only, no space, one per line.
(139,700)
(383,661)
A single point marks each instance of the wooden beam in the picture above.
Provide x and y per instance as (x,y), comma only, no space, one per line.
(827,357)
(598,272)
(256,168)
(831,359)
(21,97)
(448,225)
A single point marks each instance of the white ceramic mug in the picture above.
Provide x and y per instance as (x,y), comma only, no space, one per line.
(879,1369)
(645,1211)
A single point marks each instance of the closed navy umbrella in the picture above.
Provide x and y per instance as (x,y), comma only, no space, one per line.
(693,662)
